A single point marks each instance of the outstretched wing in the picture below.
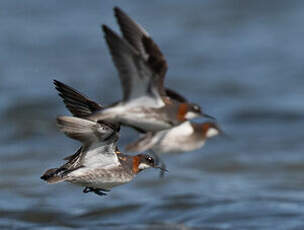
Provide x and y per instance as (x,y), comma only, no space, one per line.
(99,140)
(137,78)
(131,31)
(85,131)
(148,49)
(76,103)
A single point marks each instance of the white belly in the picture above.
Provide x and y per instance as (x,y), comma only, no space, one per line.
(177,140)
(177,146)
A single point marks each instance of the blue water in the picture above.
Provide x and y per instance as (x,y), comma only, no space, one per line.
(242,61)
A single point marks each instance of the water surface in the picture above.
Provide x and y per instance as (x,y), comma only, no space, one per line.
(241,60)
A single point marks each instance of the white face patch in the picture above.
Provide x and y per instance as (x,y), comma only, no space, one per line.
(143,166)
(212,132)
(191,115)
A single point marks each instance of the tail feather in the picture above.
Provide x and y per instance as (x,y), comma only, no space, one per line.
(51,176)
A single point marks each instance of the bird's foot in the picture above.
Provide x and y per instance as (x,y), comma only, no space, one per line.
(100,192)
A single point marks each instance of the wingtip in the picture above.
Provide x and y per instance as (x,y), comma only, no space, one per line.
(60,120)
(105,28)
(107,31)
(58,84)
(114,41)
(117,10)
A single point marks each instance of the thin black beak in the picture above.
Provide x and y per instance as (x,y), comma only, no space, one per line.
(162,169)
(208,116)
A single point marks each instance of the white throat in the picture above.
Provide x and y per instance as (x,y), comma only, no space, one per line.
(191,115)
(143,166)
(212,132)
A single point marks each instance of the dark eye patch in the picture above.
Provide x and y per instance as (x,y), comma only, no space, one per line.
(149,159)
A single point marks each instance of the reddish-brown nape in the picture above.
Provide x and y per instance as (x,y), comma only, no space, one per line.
(182,111)
(136,162)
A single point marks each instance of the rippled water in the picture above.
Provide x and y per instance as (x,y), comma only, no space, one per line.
(241,60)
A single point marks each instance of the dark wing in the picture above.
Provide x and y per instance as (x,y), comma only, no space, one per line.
(76,103)
(73,156)
(157,63)
(148,49)
(135,74)
(131,31)
(175,95)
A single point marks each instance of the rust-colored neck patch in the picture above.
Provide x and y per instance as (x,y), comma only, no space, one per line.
(182,110)
(136,162)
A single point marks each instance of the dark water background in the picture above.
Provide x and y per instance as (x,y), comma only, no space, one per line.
(243,61)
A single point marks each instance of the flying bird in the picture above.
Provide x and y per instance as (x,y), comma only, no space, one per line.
(98,165)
